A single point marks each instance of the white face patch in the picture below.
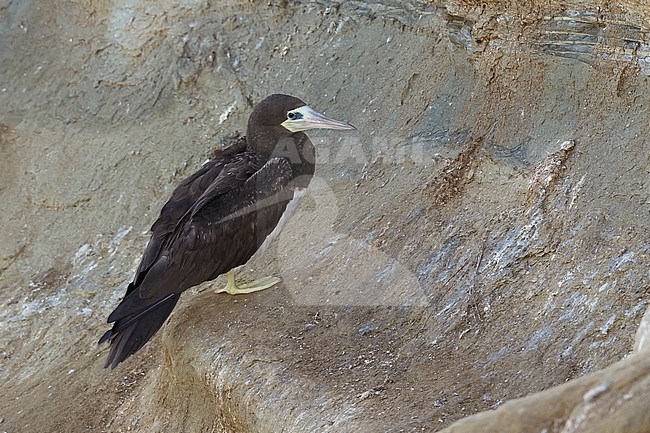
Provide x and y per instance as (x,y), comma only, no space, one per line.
(305,118)
(296,119)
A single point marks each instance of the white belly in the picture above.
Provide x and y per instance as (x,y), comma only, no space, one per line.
(288,212)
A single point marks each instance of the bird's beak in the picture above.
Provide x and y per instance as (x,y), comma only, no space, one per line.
(305,118)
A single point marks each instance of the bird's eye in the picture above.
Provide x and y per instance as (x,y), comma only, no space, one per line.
(291,115)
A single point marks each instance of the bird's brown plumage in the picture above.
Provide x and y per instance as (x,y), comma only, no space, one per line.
(215,220)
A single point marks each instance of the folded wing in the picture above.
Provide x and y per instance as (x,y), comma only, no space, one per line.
(220,230)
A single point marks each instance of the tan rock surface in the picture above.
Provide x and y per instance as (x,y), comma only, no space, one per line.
(614,399)
(485,237)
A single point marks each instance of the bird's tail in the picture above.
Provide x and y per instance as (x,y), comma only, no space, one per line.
(131,332)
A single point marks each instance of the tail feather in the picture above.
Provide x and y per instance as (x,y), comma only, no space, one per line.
(130,333)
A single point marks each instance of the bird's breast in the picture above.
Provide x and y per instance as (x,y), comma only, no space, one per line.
(288,212)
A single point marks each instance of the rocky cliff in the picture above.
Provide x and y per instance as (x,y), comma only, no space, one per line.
(484,237)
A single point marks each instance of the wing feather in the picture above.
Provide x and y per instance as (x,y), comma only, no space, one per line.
(185,196)
(220,234)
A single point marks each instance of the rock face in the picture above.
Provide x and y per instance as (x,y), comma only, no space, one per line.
(485,236)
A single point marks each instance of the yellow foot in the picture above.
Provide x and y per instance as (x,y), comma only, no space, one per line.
(233,288)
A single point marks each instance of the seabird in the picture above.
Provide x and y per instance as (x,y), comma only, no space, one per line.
(217,218)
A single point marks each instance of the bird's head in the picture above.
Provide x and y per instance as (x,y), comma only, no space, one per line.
(292,114)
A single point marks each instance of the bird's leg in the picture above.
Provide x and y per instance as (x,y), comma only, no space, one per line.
(232,288)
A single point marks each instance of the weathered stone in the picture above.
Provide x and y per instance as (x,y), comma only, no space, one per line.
(642,340)
(614,399)
(484,237)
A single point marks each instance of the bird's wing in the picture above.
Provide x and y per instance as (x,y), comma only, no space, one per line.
(220,232)
(218,175)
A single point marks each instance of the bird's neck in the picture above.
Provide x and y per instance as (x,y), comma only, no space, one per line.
(275,142)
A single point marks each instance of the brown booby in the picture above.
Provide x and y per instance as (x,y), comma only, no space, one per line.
(217,218)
